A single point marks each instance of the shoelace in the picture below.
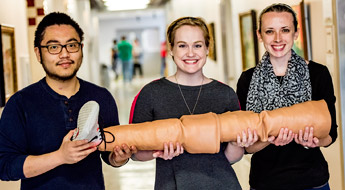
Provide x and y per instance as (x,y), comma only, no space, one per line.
(103,134)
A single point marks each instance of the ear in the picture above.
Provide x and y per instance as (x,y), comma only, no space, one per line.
(258,35)
(170,49)
(37,52)
(296,34)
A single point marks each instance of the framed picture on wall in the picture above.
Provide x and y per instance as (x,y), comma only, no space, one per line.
(249,40)
(301,44)
(213,52)
(8,70)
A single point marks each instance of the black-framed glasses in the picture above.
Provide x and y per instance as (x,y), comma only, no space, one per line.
(57,48)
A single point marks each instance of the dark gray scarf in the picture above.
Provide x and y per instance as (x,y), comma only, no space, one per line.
(266,92)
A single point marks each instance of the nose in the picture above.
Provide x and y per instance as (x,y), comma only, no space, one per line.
(190,52)
(64,52)
(277,37)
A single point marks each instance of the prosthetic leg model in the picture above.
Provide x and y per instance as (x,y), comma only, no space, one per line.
(203,133)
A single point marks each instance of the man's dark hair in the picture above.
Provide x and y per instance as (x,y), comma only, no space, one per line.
(53,19)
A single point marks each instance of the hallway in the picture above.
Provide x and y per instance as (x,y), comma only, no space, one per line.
(134,175)
(326,35)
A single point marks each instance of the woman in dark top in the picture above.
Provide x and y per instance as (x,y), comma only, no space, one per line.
(186,92)
(281,79)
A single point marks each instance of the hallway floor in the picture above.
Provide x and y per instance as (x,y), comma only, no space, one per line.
(134,175)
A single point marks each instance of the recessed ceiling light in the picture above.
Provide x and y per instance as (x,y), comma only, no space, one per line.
(117,5)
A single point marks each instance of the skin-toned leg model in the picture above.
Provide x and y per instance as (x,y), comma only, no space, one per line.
(203,133)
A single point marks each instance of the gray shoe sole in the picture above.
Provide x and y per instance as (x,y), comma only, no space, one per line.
(87,124)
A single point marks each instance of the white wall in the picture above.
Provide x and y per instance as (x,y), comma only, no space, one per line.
(13,12)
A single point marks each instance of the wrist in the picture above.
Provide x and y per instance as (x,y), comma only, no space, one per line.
(114,163)
(58,157)
(134,158)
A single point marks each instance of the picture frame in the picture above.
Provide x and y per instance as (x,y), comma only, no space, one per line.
(212,48)
(249,40)
(301,44)
(8,68)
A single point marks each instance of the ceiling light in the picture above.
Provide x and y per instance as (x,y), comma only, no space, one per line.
(117,5)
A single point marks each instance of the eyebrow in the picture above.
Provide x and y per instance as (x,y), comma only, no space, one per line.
(268,28)
(56,41)
(186,42)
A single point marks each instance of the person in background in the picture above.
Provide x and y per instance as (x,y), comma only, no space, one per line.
(281,79)
(189,92)
(137,55)
(125,55)
(38,121)
(114,57)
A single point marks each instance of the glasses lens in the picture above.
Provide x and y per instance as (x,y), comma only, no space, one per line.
(73,47)
(54,49)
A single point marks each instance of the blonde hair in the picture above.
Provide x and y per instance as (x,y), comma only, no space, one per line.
(188,21)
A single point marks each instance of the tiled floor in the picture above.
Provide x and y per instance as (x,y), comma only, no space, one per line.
(134,175)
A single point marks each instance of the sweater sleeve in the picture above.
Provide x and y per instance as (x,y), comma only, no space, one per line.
(322,87)
(142,110)
(235,104)
(13,141)
(243,86)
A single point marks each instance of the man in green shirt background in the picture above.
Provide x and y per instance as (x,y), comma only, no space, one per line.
(125,55)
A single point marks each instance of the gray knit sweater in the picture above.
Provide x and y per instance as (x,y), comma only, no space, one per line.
(161,99)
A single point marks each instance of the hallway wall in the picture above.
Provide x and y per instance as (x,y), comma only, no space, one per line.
(13,13)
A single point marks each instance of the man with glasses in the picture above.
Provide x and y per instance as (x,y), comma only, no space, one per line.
(38,121)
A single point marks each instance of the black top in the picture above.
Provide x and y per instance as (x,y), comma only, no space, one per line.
(34,122)
(292,166)
(162,99)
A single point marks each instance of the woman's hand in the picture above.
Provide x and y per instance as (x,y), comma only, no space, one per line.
(169,152)
(247,140)
(121,154)
(234,151)
(307,138)
(285,137)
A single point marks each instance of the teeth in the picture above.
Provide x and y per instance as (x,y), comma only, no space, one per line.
(278,47)
(191,61)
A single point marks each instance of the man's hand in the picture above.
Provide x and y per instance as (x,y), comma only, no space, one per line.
(71,152)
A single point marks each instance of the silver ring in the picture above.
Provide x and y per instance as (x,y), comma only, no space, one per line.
(306,147)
